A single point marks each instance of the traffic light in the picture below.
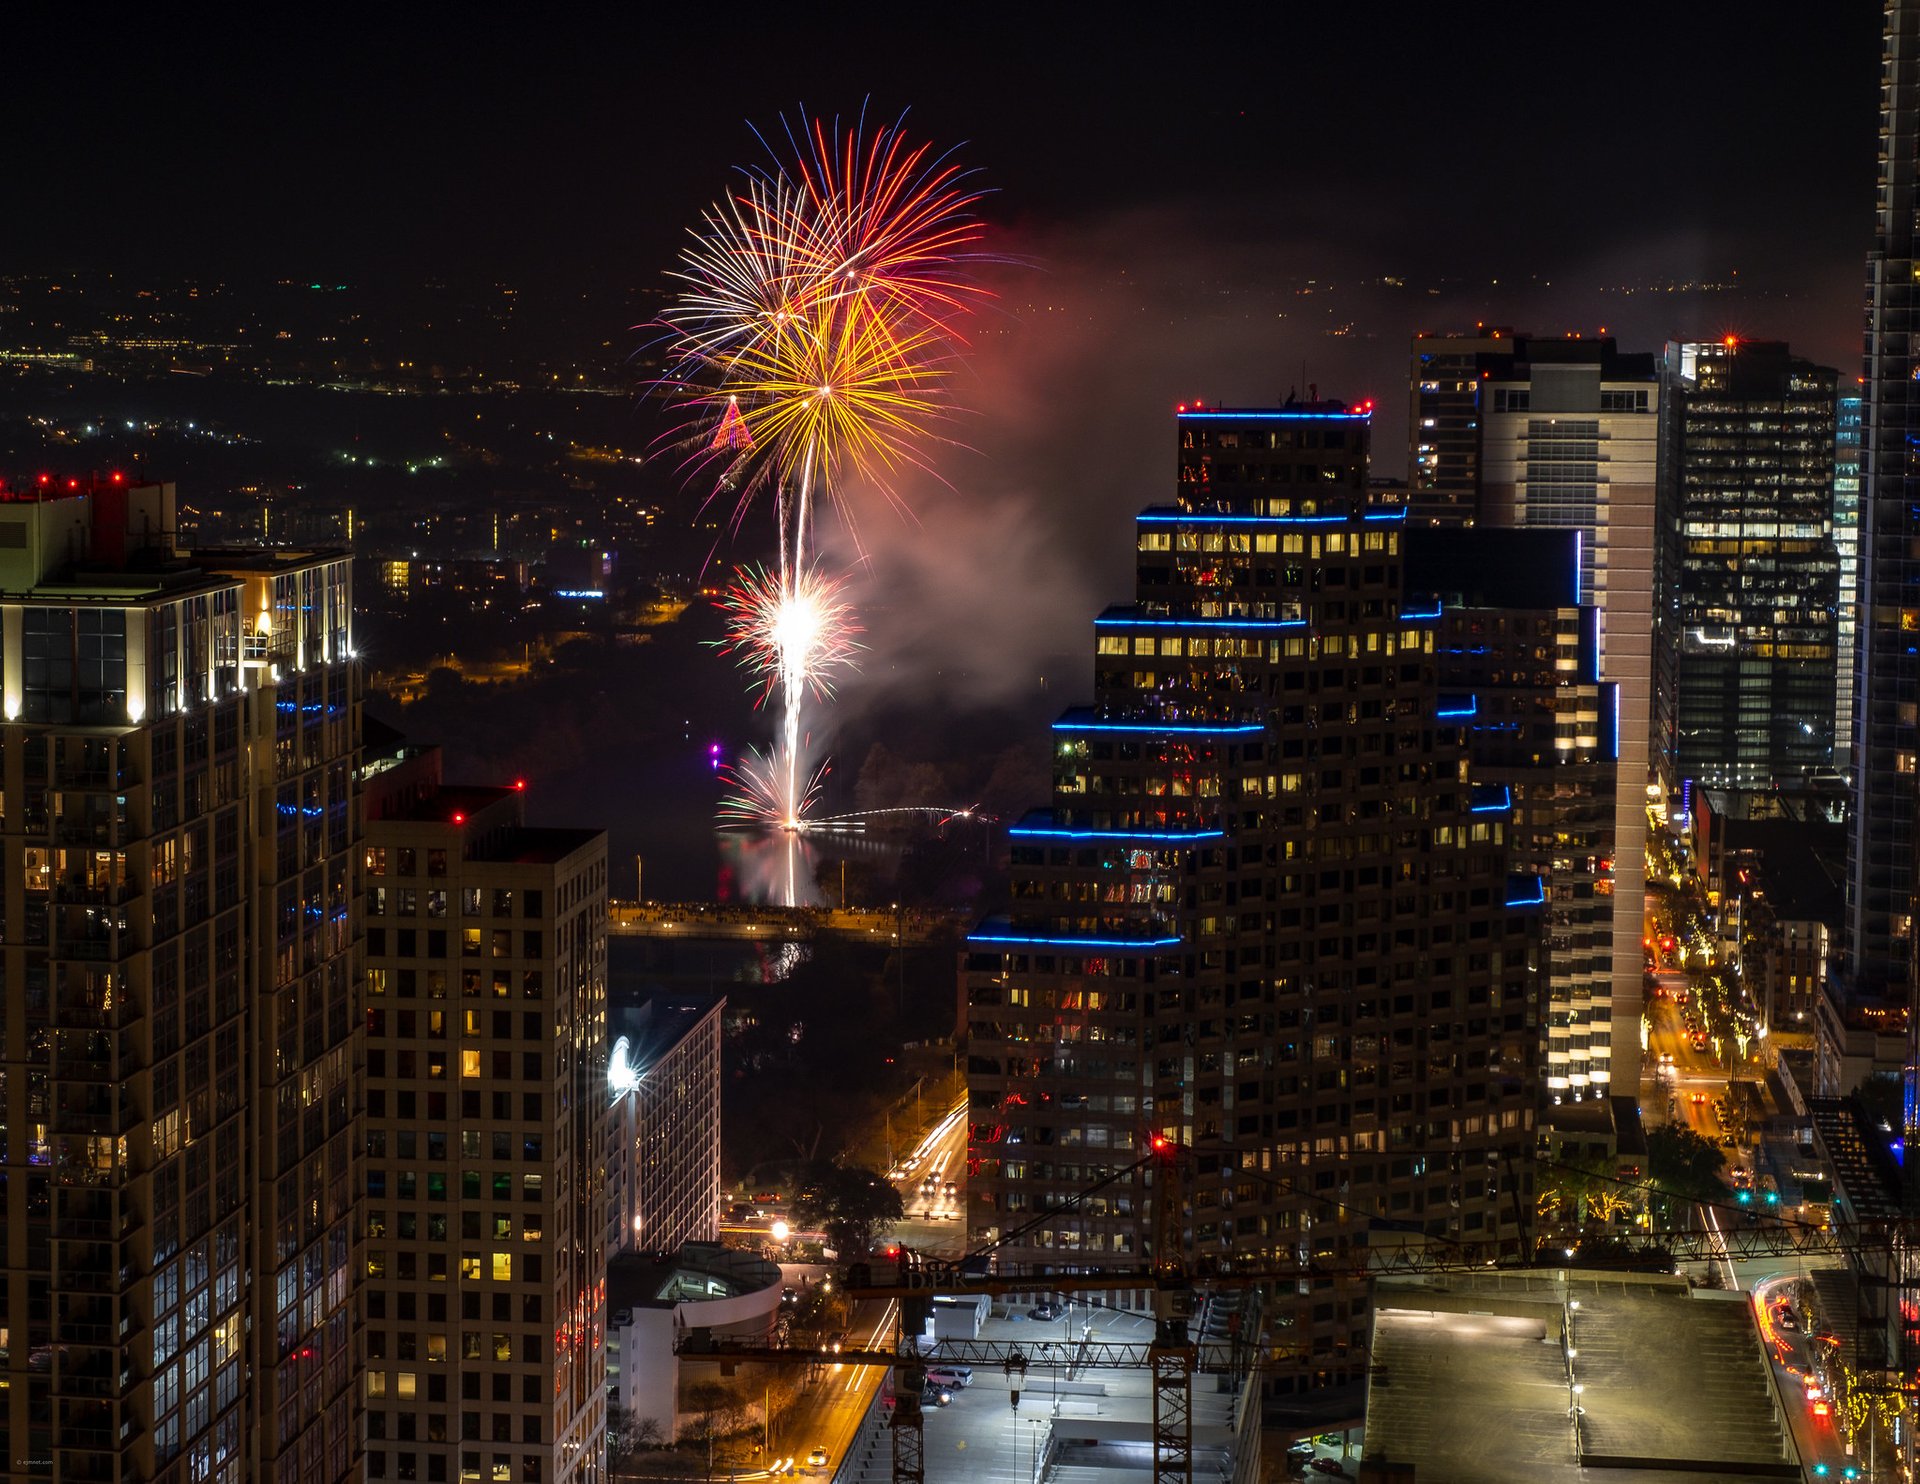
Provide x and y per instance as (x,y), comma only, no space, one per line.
(1820,1471)
(1745,1198)
(1773,1198)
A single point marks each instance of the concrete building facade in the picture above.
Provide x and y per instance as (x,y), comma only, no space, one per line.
(1569,439)
(487,1112)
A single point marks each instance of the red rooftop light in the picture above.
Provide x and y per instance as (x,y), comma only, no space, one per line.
(520,784)
(118,476)
(459,819)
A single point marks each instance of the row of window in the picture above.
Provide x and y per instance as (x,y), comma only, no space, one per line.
(475,901)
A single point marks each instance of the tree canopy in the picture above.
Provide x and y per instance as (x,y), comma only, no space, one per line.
(853,1205)
(1683,1165)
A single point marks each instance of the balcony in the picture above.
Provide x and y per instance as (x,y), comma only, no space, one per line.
(78,892)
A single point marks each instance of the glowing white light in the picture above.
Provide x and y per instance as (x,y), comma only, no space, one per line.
(622,1075)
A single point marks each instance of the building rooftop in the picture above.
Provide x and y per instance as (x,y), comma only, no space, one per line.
(699,1270)
(656,1025)
(1292,408)
(532,845)
(1488,567)
(1866,1175)
(1470,1381)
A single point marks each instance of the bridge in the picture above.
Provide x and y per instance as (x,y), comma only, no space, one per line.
(751,923)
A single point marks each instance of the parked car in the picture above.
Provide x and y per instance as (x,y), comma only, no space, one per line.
(1327,1466)
(1044,1311)
(952,1377)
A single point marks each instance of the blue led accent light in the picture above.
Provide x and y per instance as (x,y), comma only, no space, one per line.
(1454,708)
(1279,415)
(1223,518)
(1536,884)
(1170,837)
(1504,803)
(1199,623)
(1421,613)
(1396,514)
(1164,728)
(1053,942)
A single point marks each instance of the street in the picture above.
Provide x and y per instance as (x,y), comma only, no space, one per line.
(934,1213)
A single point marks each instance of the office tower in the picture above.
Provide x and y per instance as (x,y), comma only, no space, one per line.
(1512,636)
(1748,575)
(1880,855)
(1849,418)
(487,1107)
(179,1135)
(1569,436)
(1443,424)
(1267,914)
(663,1163)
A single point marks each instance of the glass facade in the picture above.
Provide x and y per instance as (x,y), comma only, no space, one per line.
(1751,579)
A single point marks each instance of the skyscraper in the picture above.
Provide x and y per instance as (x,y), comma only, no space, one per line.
(1544,730)
(1749,579)
(1267,914)
(179,1134)
(1443,425)
(1886,734)
(1569,437)
(487,1111)
(663,1161)
(1847,427)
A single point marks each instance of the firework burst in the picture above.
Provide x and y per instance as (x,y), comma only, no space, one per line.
(811,346)
(762,794)
(790,632)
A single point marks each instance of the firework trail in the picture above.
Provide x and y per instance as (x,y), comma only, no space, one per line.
(811,343)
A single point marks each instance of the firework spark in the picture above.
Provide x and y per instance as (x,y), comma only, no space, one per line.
(792,632)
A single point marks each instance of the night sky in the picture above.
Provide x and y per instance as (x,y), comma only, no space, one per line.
(1204,203)
(1681,138)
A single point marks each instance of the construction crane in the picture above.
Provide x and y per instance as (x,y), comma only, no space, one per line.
(1173,1356)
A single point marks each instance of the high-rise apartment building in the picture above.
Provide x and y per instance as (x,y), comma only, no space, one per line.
(1512,636)
(1569,439)
(1268,914)
(179,1133)
(663,1164)
(1443,424)
(488,1102)
(1848,426)
(1749,579)
(1880,858)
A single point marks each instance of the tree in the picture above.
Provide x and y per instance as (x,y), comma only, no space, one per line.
(1684,1166)
(853,1205)
(628,1434)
